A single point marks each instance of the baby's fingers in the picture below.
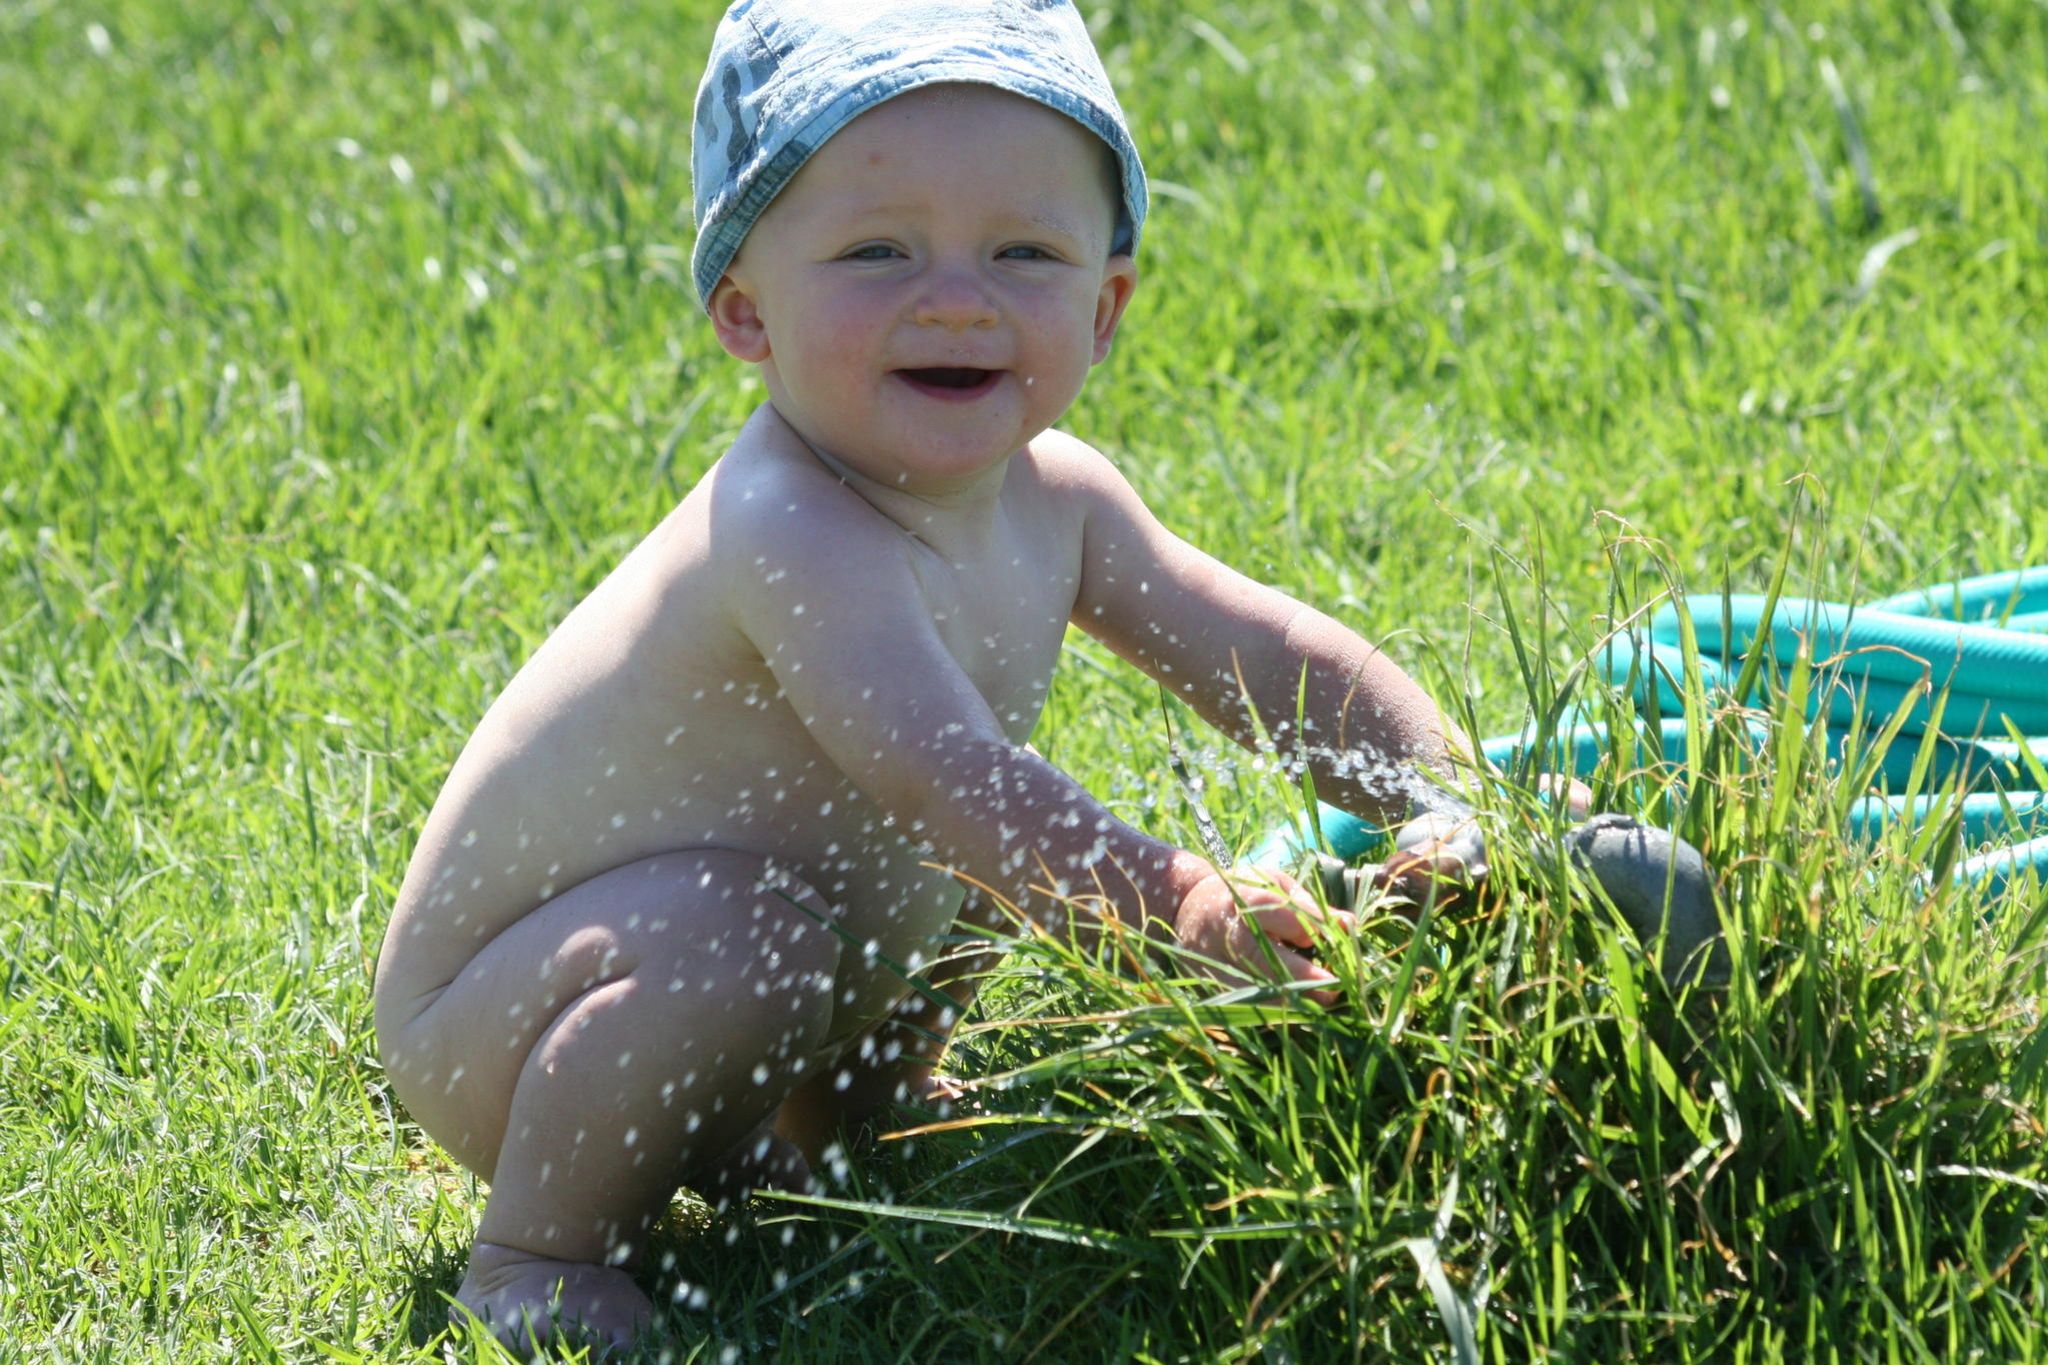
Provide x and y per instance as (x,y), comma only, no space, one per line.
(1289,923)
(1578,797)
(1292,965)
(1259,889)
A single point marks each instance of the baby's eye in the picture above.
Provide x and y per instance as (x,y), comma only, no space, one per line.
(871,251)
(1025,252)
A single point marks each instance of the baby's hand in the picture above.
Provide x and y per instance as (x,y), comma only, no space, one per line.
(1578,797)
(1443,854)
(1440,857)
(1215,920)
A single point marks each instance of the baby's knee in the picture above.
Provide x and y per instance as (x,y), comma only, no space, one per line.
(788,934)
(687,969)
(787,964)
(740,930)
(761,965)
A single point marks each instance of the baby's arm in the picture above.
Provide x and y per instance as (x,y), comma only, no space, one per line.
(1219,640)
(830,597)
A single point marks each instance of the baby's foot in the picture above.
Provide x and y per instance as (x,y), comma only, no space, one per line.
(526,1299)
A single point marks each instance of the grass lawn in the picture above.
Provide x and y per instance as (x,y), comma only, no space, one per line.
(343,347)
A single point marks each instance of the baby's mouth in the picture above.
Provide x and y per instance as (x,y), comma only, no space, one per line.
(950,381)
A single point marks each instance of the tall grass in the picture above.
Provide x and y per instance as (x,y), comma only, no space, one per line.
(342,348)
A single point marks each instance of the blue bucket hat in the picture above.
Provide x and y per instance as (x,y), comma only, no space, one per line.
(785,75)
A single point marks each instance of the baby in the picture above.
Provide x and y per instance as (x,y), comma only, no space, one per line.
(645,940)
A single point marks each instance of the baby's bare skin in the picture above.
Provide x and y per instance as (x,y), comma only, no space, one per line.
(649,724)
(646,747)
(654,909)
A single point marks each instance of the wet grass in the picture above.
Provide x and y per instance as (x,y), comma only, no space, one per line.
(342,348)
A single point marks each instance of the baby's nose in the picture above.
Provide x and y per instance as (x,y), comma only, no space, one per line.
(955,299)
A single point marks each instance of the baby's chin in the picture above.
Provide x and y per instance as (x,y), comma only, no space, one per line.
(935,441)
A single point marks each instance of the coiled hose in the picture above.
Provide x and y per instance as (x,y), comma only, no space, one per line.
(1981,643)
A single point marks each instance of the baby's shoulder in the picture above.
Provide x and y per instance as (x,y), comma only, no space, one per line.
(1058,456)
(1067,468)
(1081,479)
(771,523)
(767,489)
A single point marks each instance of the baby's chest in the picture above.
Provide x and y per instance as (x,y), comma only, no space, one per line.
(1004,624)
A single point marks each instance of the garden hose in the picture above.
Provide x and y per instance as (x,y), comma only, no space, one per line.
(1980,644)
(2001,598)
(1987,681)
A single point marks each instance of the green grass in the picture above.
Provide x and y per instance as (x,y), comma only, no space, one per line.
(343,347)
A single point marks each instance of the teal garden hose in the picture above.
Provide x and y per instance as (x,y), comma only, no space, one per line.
(1982,644)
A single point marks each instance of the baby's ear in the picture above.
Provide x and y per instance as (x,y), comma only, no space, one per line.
(1119,278)
(738,322)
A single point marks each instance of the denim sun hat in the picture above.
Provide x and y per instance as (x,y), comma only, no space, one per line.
(785,75)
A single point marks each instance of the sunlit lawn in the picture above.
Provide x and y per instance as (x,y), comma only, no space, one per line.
(343,347)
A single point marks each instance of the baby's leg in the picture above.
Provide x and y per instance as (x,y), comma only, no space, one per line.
(613,1044)
(895,1061)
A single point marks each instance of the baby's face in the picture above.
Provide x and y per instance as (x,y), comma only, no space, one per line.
(929,291)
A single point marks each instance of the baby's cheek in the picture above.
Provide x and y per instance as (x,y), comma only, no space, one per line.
(1066,372)
(847,331)
(822,333)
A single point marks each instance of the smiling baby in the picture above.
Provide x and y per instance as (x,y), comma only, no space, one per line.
(795,717)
